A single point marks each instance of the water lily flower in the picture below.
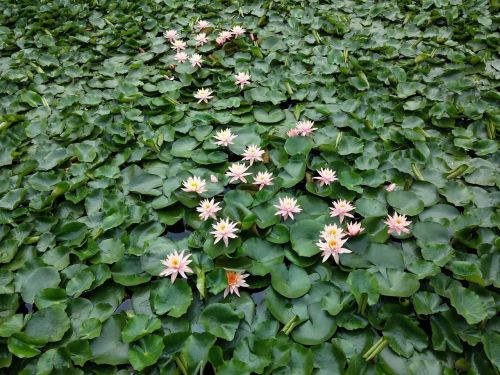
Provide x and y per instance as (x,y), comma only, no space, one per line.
(178,45)
(196,60)
(242,79)
(326,176)
(354,228)
(397,223)
(224,137)
(263,179)
(341,208)
(202,24)
(181,57)
(203,95)
(195,185)
(213,178)
(390,187)
(171,35)
(235,280)
(332,230)
(223,37)
(168,78)
(238,30)
(252,153)
(287,207)
(176,264)
(201,39)
(305,127)
(237,172)
(333,247)
(293,132)
(208,208)
(224,230)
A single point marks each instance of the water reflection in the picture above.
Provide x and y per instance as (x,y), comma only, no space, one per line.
(175,236)
(126,305)
(259,296)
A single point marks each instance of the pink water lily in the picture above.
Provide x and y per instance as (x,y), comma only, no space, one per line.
(181,57)
(196,60)
(224,137)
(354,228)
(235,280)
(224,230)
(178,45)
(213,178)
(341,208)
(252,153)
(171,35)
(203,95)
(293,132)
(397,223)
(263,179)
(242,79)
(208,208)
(390,187)
(238,30)
(287,207)
(237,172)
(223,37)
(177,264)
(333,247)
(201,39)
(305,127)
(194,185)
(332,230)
(202,24)
(326,176)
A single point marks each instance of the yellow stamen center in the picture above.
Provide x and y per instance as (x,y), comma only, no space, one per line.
(175,262)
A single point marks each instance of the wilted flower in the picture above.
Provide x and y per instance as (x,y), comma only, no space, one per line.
(202,24)
(213,178)
(331,230)
(354,228)
(178,45)
(208,208)
(171,35)
(237,172)
(287,207)
(181,57)
(168,78)
(224,230)
(242,79)
(238,30)
(341,208)
(201,39)
(397,223)
(224,137)
(391,187)
(332,246)
(293,132)
(176,264)
(194,184)
(203,95)
(326,176)
(196,60)
(253,153)
(305,127)
(235,280)
(263,179)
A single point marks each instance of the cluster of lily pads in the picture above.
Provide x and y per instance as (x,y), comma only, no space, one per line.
(175,176)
